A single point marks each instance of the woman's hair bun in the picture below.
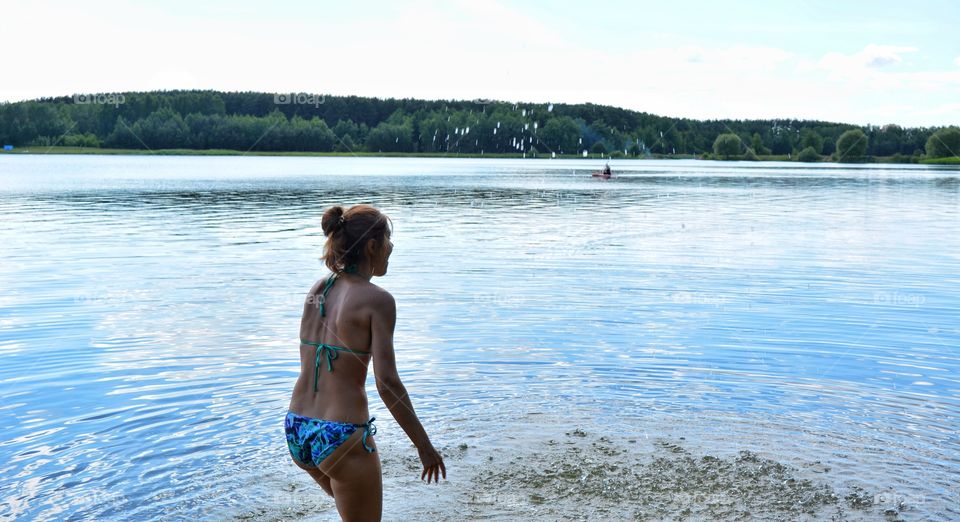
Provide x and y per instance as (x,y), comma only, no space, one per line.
(331,219)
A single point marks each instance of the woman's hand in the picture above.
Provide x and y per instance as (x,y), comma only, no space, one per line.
(432,464)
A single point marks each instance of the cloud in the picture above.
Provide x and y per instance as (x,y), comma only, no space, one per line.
(871,68)
(871,57)
(957,60)
(883,55)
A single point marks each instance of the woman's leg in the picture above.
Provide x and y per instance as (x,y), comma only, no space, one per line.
(317,475)
(355,479)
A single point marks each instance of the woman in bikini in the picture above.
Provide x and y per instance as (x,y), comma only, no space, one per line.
(347,321)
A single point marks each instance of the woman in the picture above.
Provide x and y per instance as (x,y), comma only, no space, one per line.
(347,320)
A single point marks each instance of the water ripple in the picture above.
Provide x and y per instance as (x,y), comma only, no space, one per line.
(805,313)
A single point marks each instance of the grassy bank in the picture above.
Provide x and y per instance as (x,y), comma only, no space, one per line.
(955,160)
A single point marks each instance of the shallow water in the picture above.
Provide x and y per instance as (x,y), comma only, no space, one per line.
(736,340)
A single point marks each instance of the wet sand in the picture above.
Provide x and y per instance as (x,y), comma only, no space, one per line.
(588,476)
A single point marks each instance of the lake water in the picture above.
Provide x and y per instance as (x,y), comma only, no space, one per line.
(689,339)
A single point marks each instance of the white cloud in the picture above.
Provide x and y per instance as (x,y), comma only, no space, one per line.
(868,71)
(957,60)
(871,57)
(883,55)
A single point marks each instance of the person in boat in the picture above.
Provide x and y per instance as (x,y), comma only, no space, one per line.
(347,322)
(606,170)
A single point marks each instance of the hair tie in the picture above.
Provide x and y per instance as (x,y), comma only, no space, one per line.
(340,223)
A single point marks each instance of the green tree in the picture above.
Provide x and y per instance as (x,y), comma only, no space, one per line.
(561,135)
(81,140)
(121,137)
(598,148)
(945,143)
(272,132)
(727,145)
(810,138)
(162,129)
(851,145)
(346,128)
(756,143)
(345,144)
(889,141)
(299,134)
(388,137)
(612,138)
(205,102)
(781,141)
(808,154)
(23,123)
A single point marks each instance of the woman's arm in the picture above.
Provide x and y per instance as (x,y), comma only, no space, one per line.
(383,320)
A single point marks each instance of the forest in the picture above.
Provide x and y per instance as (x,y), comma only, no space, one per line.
(254,121)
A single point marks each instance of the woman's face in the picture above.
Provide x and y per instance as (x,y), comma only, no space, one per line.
(388,249)
(383,257)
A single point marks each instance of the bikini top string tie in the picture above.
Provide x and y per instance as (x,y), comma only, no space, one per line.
(323,350)
(323,296)
(352,269)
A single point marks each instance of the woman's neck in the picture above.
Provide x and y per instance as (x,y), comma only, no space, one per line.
(355,270)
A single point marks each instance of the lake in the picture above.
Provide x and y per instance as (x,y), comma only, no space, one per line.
(697,339)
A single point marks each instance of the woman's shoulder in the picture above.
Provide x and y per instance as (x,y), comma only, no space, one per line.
(366,291)
(382,297)
(318,285)
(371,296)
(376,294)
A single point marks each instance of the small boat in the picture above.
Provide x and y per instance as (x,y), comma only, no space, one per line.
(606,173)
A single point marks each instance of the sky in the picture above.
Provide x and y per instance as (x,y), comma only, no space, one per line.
(875,62)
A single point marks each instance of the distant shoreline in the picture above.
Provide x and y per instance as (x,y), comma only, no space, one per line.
(591,157)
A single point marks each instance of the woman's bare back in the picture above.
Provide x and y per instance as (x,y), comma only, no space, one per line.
(340,394)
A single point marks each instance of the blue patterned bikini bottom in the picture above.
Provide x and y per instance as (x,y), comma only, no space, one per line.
(312,440)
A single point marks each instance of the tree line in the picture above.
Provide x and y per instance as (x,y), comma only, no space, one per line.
(297,122)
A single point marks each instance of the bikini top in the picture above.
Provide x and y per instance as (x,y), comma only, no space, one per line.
(325,350)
